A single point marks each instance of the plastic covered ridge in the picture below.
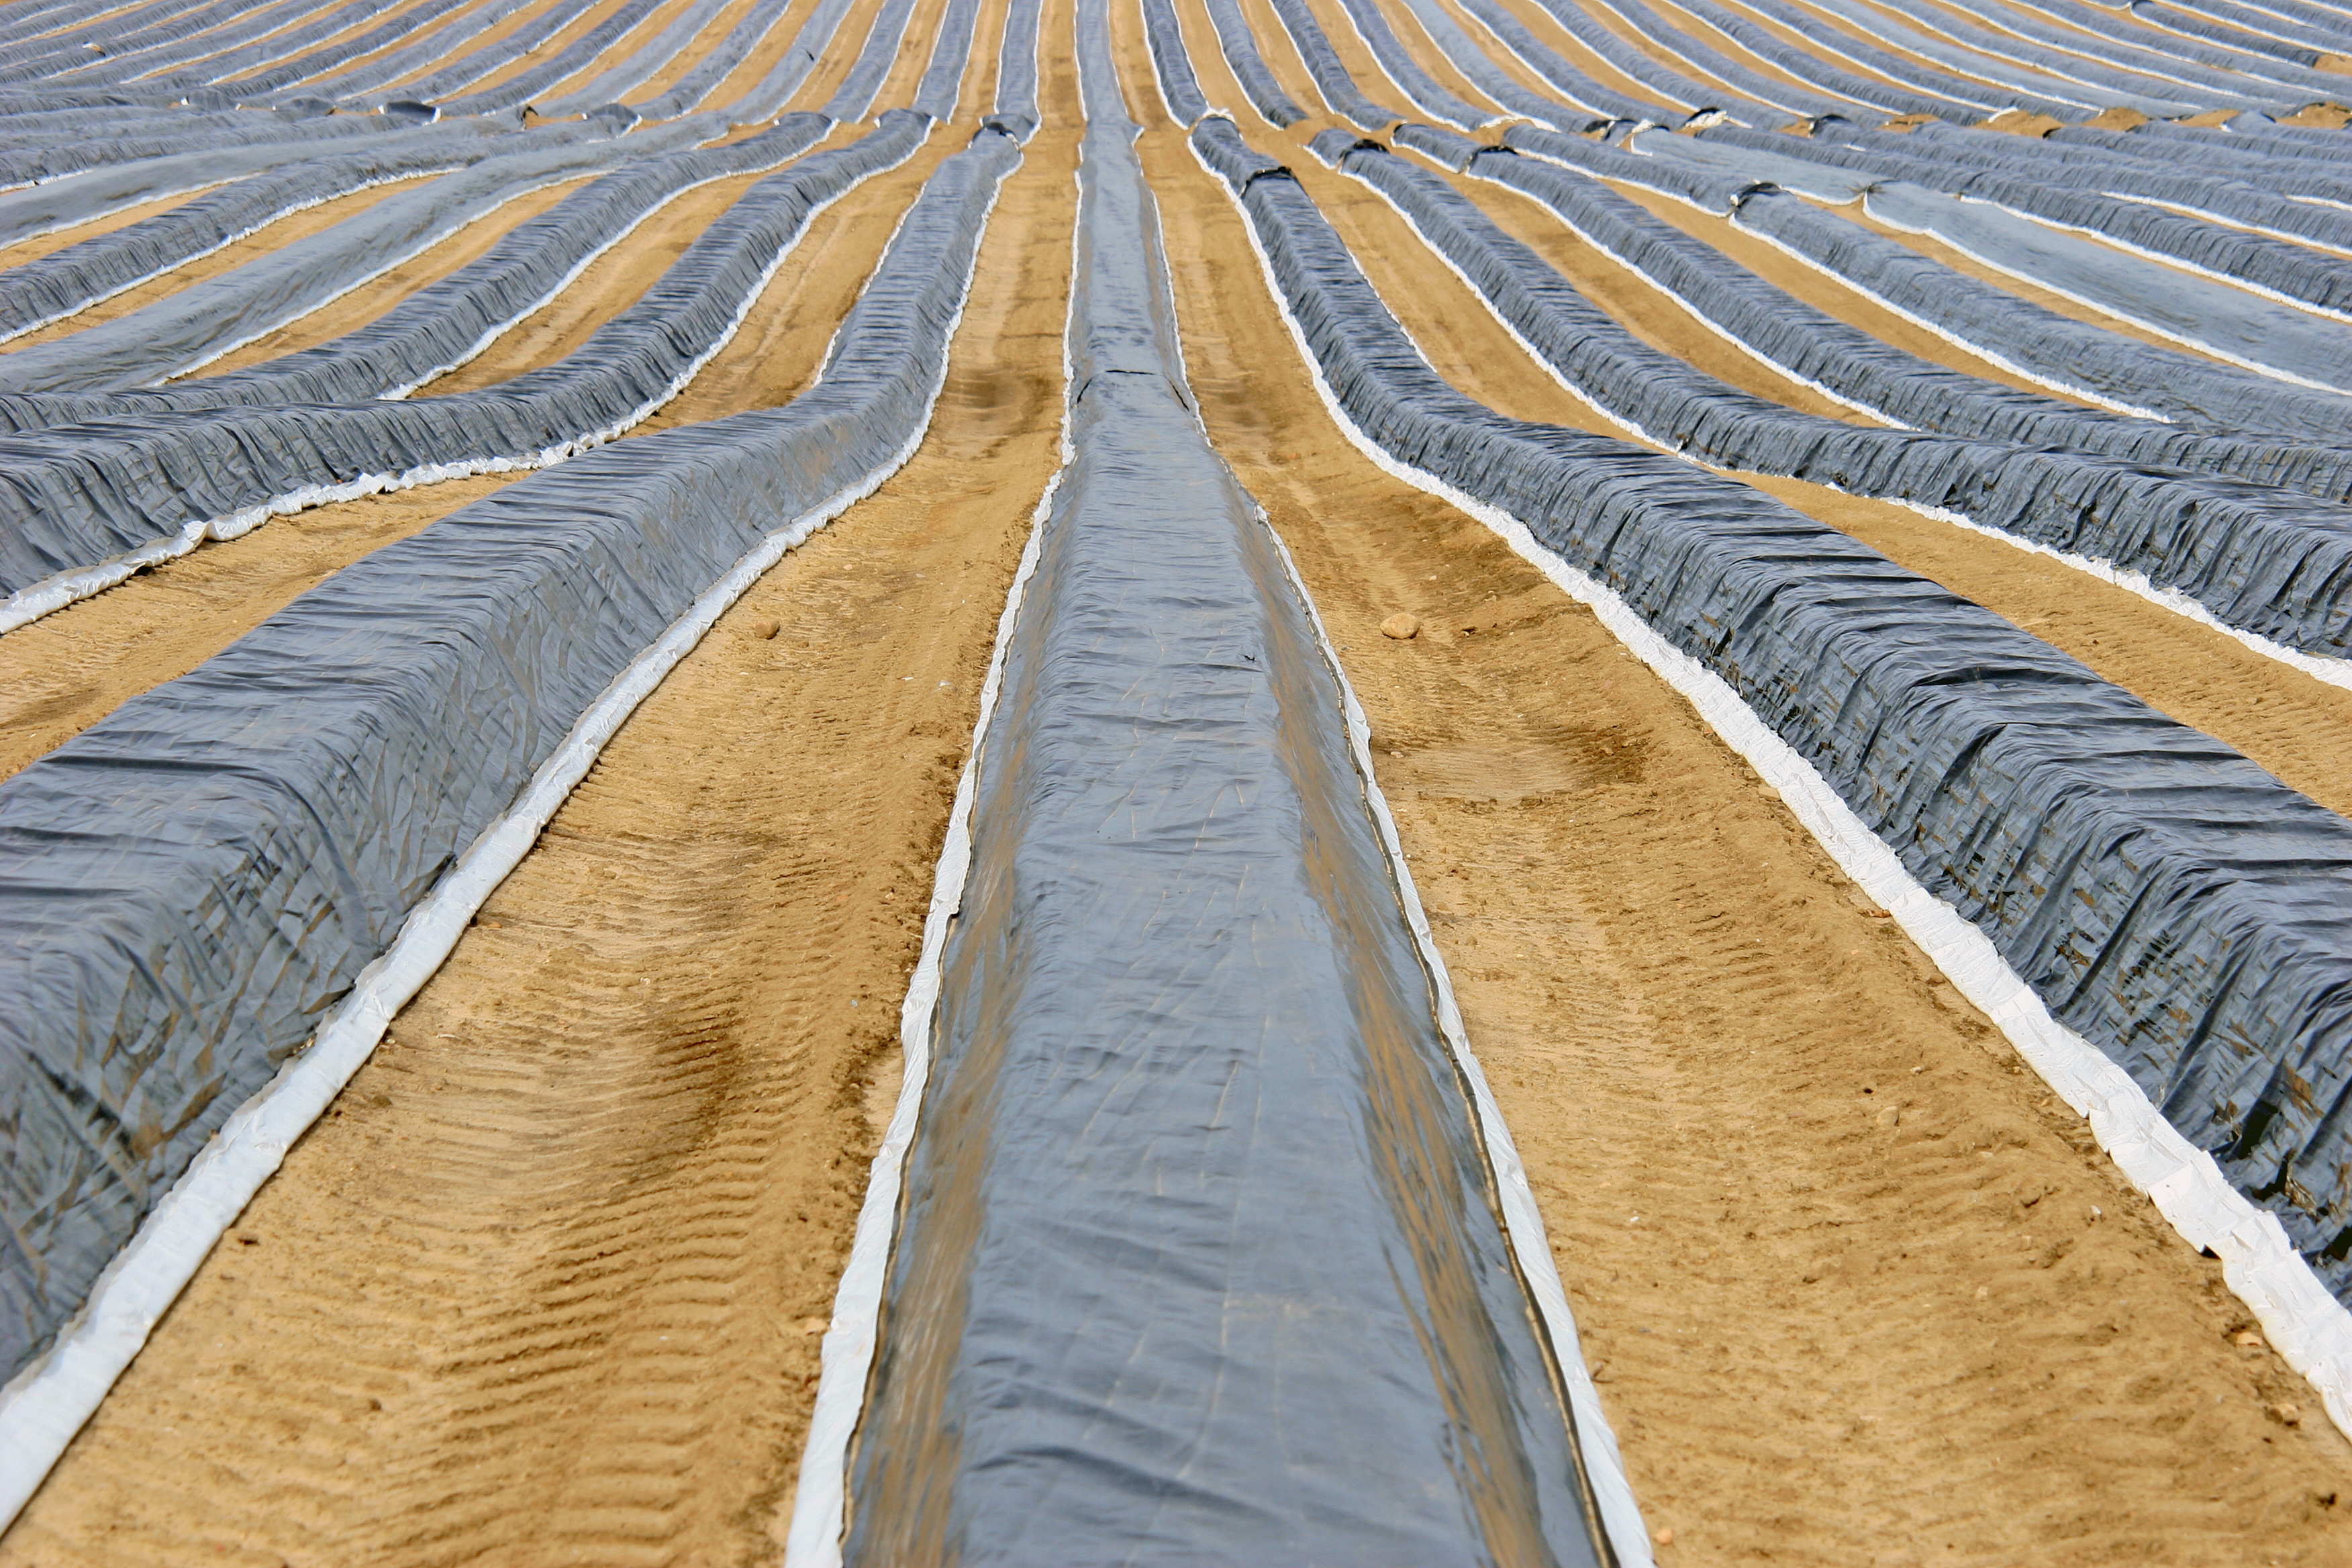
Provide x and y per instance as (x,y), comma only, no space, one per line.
(192,882)
(2171,902)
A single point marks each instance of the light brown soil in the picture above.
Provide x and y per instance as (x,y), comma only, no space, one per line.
(1691,1018)
(544,1287)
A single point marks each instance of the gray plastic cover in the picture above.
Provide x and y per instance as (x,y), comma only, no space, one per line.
(2171,902)
(1199,1259)
(186,886)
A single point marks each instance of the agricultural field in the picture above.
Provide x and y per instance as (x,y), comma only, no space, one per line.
(1176,782)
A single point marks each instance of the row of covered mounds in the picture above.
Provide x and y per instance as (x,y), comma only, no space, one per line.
(1199,1255)
(196,879)
(2166,899)
(2260,559)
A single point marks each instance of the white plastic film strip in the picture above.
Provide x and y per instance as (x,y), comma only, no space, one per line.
(845,1360)
(2308,1326)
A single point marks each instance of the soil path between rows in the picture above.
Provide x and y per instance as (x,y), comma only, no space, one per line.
(546,1286)
(1826,1334)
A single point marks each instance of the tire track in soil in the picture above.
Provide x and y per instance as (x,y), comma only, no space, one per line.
(543,1287)
(1822,1338)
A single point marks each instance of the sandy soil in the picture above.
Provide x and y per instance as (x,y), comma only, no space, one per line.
(543,1288)
(1823,1339)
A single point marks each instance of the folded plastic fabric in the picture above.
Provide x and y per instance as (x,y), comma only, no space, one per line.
(189,884)
(2171,902)
(76,498)
(445,323)
(1846,362)
(2260,560)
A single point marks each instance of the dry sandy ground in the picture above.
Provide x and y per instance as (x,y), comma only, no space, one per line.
(544,1287)
(1823,1339)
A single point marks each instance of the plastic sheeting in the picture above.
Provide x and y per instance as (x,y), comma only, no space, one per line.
(2275,564)
(525,87)
(1857,368)
(2171,902)
(1331,78)
(1979,167)
(192,882)
(207,319)
(1237,41)
(2243,328)
(467,68)
(2059,350)
(1181,1006)
(308,173)
(445,323)
(1403,70)
(1172,66)
(1466,56)
(73,497)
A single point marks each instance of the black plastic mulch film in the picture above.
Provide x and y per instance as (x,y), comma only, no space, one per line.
(196,878)
(2168,899)
(1198,1258)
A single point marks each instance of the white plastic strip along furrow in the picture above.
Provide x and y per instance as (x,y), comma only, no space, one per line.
(2310,1329)
(1070,1244)
(638,548)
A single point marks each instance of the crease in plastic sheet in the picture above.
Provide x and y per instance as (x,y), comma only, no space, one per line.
(80,505)
(2121,873)
(1196,745)
(2274,565)
(269,820)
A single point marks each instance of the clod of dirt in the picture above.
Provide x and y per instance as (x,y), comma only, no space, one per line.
(764,630)
(2247,1339)
(1889,1117)
(1400,626)
(1666,1537)
(2286,1413)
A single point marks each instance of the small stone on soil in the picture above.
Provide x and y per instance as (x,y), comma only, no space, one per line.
(1400,627)
(764,630)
